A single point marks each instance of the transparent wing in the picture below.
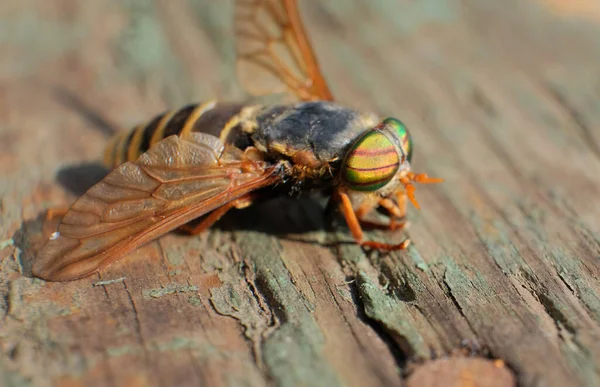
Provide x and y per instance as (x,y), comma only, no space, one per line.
(274,53)
(174,182)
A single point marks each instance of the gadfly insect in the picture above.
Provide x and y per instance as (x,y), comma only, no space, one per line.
(205,159)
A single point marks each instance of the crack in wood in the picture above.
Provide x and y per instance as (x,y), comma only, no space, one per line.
(445,285)
(396,345)
(137,324)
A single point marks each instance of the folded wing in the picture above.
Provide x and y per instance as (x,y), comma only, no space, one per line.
(174,182)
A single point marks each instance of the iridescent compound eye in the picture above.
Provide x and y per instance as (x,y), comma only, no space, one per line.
(371,162)
(402,132)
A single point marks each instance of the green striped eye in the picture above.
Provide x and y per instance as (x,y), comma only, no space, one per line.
(371,162)
(405,138)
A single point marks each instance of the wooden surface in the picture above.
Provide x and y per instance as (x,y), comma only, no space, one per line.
(502,98)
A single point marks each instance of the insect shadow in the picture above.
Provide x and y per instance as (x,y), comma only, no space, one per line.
(77,179)
(277,216)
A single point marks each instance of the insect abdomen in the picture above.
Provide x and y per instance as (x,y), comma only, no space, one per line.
(210,117)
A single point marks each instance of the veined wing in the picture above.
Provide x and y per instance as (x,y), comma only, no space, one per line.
(274,53)
(179,179)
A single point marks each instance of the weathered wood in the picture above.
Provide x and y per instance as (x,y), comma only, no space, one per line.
(502,99)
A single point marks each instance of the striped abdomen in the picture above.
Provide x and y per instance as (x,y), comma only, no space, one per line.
(218,119)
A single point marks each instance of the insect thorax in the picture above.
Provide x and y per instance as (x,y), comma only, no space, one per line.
(315,136)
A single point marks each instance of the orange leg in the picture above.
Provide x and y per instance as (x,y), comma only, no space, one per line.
(53,213)
(397,213)
(356,230)
(207,222)
(217,214)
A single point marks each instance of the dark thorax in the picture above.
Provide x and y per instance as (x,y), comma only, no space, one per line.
(314,136)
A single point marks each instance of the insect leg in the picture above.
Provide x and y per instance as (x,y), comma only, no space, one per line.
(356,230)
(217,214)
(397,213)
(53,213)
(363,210)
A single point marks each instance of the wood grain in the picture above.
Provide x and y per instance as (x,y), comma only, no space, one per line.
(502,100)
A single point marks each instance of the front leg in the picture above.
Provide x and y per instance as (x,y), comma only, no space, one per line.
(355,228)
(396,213)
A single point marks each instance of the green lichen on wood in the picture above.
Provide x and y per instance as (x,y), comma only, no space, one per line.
(145,54)
(179,342)
(109,282)
(293,352)
(10,378)
(195,300)
(123,351)
(568,272)
(393,315)
(169,289)
(6,243)
(38,38)
(143,46)
(235,298)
